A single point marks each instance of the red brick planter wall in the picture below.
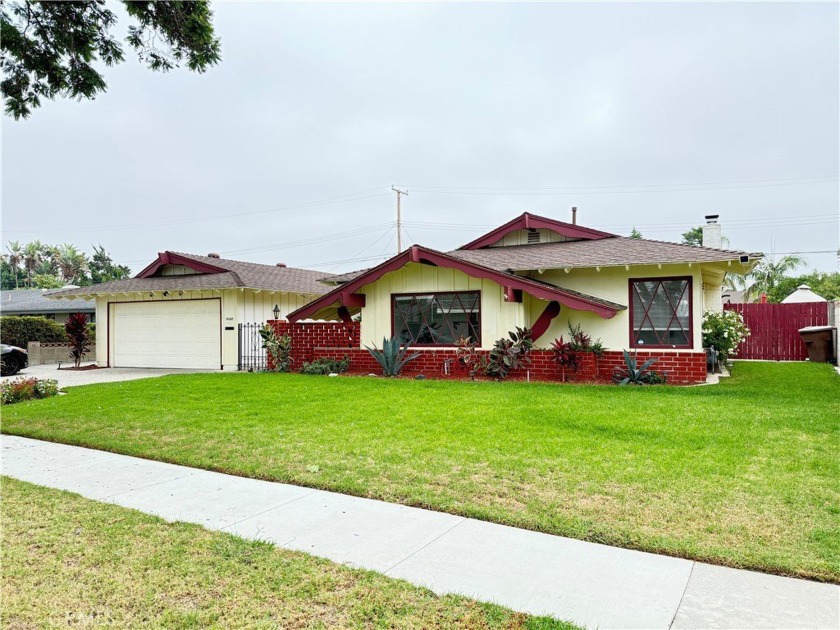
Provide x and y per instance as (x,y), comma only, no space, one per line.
(334,340)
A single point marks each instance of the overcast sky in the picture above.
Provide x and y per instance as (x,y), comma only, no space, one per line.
(648,115)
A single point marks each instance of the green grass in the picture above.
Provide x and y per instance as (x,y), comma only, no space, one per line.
(745,473)
(69,561)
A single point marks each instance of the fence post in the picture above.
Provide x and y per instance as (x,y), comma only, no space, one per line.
(34,350)
(834,320)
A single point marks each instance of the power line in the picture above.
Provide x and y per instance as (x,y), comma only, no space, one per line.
(346,198)
(759,183)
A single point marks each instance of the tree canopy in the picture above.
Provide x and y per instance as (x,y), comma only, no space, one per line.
(36,265)
(49,48)
(694,236)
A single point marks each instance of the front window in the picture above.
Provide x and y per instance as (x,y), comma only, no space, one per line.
(661,313)
(437,319)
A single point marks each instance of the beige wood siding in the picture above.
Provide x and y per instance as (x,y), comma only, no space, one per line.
(497,316)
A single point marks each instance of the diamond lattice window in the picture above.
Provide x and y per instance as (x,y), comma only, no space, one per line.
(437,319)
(661,313)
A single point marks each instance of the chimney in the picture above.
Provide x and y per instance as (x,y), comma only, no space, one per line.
(213,255)
(711,232)
(574,215)
(280,265)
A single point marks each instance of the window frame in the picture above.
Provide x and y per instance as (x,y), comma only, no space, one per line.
(394,297)
(631,302)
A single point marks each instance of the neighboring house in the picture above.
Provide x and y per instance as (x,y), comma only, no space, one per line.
(543,274)
(182,311)
(35,302)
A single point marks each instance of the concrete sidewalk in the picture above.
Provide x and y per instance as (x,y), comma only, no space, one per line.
(592,585)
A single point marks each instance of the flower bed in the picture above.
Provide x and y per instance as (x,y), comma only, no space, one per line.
(23,388)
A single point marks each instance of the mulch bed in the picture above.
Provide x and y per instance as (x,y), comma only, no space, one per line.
(83,368)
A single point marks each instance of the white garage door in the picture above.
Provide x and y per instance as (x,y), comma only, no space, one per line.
(176,334)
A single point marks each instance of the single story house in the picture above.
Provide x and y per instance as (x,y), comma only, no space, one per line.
(543,274)
(36,303)
(183,310)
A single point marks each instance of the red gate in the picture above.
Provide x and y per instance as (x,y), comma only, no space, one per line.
(774,329)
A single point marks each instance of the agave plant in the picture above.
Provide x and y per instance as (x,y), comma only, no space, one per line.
(634,374)
(392,357)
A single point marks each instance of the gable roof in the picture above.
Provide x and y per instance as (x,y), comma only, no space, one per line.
(35,301)
(419,254)
(528,221)
(608,252)
(211,273)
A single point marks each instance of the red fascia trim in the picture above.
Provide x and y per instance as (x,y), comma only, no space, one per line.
(552,310)
(353,300)
(169,258)
(423,255)
(528,221)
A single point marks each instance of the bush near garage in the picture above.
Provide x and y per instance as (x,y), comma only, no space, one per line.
(17,330)
(24,388)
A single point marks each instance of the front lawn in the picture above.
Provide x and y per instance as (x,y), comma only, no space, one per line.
(745,473)
(69,561)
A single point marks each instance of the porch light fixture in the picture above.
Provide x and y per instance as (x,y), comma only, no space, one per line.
(276,311)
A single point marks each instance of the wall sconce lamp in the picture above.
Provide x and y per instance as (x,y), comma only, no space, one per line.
(276,311)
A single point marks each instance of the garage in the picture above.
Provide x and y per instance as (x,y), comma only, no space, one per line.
(167,334)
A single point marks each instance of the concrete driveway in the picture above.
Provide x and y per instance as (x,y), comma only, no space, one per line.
(69,378)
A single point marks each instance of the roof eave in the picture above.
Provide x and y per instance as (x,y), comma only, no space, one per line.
(528,221)
(424,255)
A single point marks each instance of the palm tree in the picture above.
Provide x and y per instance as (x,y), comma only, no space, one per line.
(14,258)
(70,261)
(764,276)
(32,256)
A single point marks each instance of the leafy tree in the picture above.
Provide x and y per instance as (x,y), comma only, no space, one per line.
(825,284)
(634,233)
(694,236)
(9,278)
(103,269)
(49,48)
(45,281)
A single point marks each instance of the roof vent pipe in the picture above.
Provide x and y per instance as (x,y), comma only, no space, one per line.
(574,215)
(280,265)
(712,232)
(213,255)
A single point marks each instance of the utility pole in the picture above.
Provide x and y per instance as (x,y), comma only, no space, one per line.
(399,217)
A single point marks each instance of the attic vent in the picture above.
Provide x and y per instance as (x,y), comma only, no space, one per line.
(213,255)
(280,265)
(533,237)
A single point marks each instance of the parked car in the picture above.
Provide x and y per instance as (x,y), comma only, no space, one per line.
(14,359)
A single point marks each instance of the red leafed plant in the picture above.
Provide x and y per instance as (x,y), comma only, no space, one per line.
(78,336)
(565,355)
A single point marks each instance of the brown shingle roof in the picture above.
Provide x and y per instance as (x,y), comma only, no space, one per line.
(606,252)
(238,274)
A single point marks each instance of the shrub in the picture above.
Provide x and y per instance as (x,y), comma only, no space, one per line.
(582,342)
(565,356)
(392,358)
(724,331)
(24,388)
(279,348)
(467,356)
(78,336)
(509,354)
(18,330)
(326,366)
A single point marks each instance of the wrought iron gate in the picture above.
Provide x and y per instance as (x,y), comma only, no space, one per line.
(251,356)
